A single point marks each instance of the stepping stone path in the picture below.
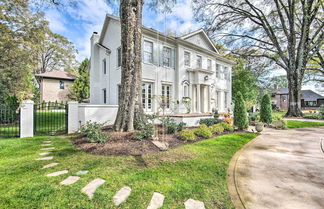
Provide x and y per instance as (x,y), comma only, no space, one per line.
(57,173)
(84,172)
(194,204)
(44,145)
(45,158)
(121,195)
(50,165)
(90,188)
(47,142)
(70,180)
(44,153)
(156,201)
(48,148)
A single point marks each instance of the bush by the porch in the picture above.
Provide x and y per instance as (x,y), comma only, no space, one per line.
(266,109)
(240,114)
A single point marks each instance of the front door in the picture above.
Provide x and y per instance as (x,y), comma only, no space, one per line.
(147,96)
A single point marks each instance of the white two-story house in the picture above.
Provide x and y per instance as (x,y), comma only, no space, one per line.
(186,73)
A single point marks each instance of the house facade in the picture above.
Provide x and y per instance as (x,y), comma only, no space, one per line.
(179,74)
(54,85)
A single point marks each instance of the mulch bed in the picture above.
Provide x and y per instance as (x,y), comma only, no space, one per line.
(124,143)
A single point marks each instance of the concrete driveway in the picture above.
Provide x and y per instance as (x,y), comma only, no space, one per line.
(280,169)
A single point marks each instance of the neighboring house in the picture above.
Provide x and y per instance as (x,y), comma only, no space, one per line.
(176,69)
(53,85)
(309,100)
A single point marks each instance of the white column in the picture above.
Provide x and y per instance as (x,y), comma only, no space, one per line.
(198,98)
(73,117)
(27,119)
(209,99)
(190,94)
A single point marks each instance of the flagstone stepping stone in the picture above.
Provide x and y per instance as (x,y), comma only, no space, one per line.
(50,165)
(47,142)
(44,153)
(44,145)
(45,158)
(121,195)
(48,148)
(83,172)
(156,201)
(163,146)
(194,204)
(70,180)
(90,188)
(57,173)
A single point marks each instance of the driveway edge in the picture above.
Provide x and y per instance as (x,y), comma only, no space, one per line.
(231,179)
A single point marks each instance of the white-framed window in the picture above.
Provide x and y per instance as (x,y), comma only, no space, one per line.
(104,96)
(217,99)
(185,90)
(119,56)
(148,52)
(187,59)
(209,64)
(199,61)
(62,85)
(104,66)
(226,73)
(166,54)
(147,96)
(166,96)
(225,99)
(217,70)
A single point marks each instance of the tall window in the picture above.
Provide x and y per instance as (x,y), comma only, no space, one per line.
(147,96)
(104,96)
(148,52)
(166,91)
(199,61)
(217,70)
(217,99)
(225,99)
(104,66)
(61,84)
(226,73)
(209,64)
(119,54)
(187,59)
(166,56)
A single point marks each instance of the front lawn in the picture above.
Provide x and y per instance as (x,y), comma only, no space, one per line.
(302,124)
(195,171)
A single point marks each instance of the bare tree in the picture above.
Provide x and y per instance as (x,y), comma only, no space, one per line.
(287,32)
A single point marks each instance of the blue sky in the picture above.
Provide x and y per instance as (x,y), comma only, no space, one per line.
(78,23)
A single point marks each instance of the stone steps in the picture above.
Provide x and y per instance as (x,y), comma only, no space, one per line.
(90,188)
(122,195)
(45,158)
(156,201)
(50,165)
(70,180)
(44,153)
(48,148)
(57,173)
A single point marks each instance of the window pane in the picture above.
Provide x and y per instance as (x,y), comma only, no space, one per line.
(148,52)
(209,64)
(187,58)
(166,56)
(143,95)
(199,60)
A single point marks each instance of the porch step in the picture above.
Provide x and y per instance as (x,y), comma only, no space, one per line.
(57,173)
(70,180)
(122,195)
(194,204)
(45,158)
(90,188)
(50,165)
(156,201)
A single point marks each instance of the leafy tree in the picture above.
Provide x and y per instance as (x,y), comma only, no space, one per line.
(266,109)
(80,89)
(280,81)
(244,83)
(290,33)
(240,114)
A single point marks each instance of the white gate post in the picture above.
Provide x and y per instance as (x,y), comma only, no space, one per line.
(27,119)
(73,117)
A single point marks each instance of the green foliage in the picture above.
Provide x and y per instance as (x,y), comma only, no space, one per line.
(321,110)
(254,117)
(181,126)
(188,135)
(203,131)
(169,125)
(93,131)
(216,114)
(80,89)
(266,109)
(210,121)
(303,124)
(227,127)
(280,124)
(217,129)
(245,82)
(146,132)
(240,114)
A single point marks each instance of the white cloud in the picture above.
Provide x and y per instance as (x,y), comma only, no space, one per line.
(56,20)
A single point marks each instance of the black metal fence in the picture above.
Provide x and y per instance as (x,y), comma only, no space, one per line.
(50,118)
(9,120)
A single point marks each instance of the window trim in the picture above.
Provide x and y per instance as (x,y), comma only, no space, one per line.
(62,83)
(209,61)
(189,64)
(200,66)
(167,90)
(170,56)
(152,53)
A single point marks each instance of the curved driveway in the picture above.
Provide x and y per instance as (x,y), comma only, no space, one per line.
(280,169)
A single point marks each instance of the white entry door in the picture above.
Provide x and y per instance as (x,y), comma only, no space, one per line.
(147,96)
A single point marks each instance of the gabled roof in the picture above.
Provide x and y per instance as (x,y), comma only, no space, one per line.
(57,74)
(307,95)
(203,33)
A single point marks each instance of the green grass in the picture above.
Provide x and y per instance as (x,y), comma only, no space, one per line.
(302,124)
(196,171)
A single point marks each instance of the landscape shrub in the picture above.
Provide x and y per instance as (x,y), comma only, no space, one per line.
(203,131)
(93,131)
(240,114)
(280,124)
(210,121)
(314,116)
(188,135)
(181,126)
(170,126)
(266,109)
(217,129)
(321,110)
(227,127)
(253,117)
(216,114)
(146,132)
(276,117)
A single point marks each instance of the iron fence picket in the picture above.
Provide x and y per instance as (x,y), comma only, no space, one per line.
(9,120)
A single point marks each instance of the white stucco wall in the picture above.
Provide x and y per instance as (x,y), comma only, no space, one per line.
(105,114)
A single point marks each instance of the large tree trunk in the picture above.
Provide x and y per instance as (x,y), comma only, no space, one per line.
(294,100)
(130,108)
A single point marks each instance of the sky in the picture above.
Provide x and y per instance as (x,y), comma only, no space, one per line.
(78,23)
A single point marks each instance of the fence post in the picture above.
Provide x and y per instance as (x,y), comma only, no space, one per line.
(73,117)
(27,119)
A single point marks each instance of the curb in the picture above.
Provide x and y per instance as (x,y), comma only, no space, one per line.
(231,176)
